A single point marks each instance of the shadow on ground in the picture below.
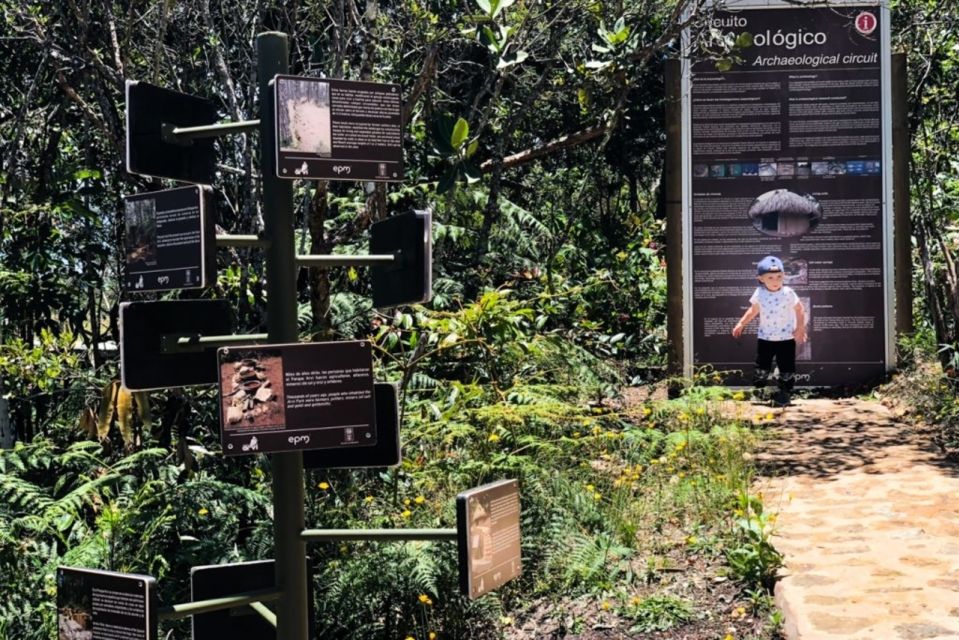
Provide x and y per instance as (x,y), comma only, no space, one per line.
(821,438)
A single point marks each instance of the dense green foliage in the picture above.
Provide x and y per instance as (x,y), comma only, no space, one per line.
(534,132)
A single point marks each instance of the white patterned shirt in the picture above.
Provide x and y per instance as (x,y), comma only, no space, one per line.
(777,313)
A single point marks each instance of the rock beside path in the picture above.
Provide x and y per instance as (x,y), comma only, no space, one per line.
(868,524)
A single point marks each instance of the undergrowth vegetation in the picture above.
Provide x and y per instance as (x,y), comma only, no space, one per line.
(616,492)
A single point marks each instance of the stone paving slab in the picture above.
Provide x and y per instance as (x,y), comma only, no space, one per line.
(868,524)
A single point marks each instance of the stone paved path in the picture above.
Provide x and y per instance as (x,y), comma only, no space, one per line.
(868,523)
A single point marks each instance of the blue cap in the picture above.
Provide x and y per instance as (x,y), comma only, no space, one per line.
(769,264)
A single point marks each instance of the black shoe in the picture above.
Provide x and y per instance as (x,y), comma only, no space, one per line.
(781,398)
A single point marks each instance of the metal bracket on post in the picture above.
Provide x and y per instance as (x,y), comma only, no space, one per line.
(346,260)
(229,240)
(193,343)
(185,136)
(377,535)
(186,609)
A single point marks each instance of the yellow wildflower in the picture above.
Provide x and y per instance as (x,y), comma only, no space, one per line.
(605,606)
(770,416)
(432,635)
(739,395)
(368,499)
(419,499)
(493,437)
(324,485)
(506,620)
(425,599)
(202,511)
(406,513)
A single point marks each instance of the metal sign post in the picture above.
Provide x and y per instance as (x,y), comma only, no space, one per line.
(272,53)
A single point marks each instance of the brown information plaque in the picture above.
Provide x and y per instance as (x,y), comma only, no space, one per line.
(169,239)
(151,109)
(338,129)
(487,521)
(145,327)
(409,279)
(296,397)
(239,623)
(105,605)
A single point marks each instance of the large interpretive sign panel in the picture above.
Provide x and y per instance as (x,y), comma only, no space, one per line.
(785,156)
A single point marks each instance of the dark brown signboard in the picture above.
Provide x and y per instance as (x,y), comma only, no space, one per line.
(786,159)
(386,451)
(487,521)
(149,358)
(105,605)
(169,239)
(152,152)
(240,623)
(338,129)
(409,279)
(296,397)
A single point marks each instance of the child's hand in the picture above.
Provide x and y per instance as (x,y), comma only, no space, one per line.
(738,330)
(800,335)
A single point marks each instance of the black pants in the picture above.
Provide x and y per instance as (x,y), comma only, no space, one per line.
(785,353)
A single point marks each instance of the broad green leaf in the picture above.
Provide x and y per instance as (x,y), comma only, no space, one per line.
(744,39)
(461,131)
(441,130)
(724,64)
(87,174)
(484,6)
(471,149)
(512,58)
(489,39)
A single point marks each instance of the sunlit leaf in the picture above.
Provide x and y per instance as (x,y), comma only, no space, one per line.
(461,131)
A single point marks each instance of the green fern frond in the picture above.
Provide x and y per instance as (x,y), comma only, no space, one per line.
(23,494)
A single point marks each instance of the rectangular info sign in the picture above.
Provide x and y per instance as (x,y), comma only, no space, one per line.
(296,397)
(169,239)
(338,129)
(787,157)
(105,605)
(487,523)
